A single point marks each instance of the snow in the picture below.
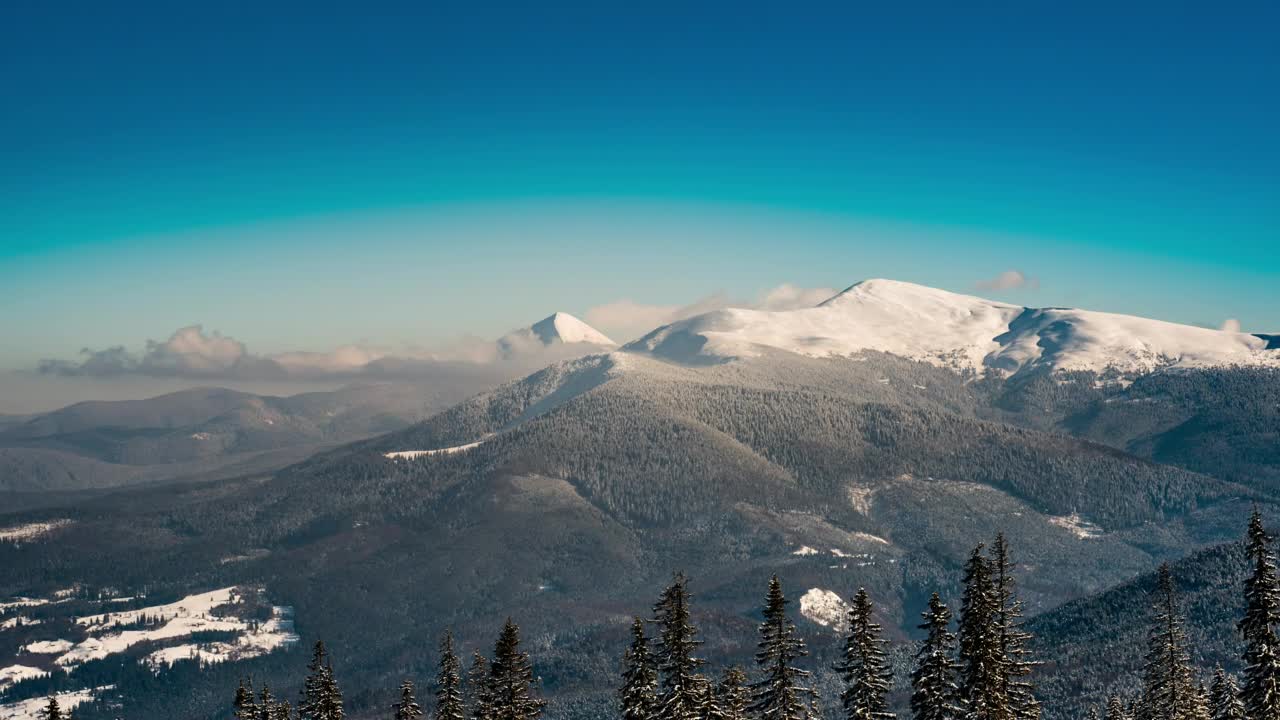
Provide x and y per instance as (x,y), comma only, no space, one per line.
(568,329)
(19,602)
(411,454)
(823,607)
(1077,525)
(31,531)
(33,709)
(860,499)
(953,330)
(15,674)
(271,635)
(805,550)
(49,647)
(17,620)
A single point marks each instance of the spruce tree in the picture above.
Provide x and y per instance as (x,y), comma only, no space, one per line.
(51,710)
(1224,698)
(1016,664)
(708,701)
(246,706)
(981,660)
(781,695)
(1092,714)
(674,654)
(406,708)
(1116,709)
(934,694)
(449,702)
(1169,693)
(308,706)
(511,679)
(478,688)
(638,694)
(863,666)
(733,695)
(266,704)
(282,711)
(1261,691)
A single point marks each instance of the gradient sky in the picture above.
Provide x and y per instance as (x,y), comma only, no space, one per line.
(301,176)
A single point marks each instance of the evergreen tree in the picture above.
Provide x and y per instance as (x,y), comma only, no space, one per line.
(934,694)
(863,667)
(479,689)
(1169,692)
(1261,691)
(733,695)
(511,679)
(51,710)
(406,708)
(674,655)
(1015,657)
(449,702)
(638,694)
(1116,709)
(246,707)
(1224,698)
(981,660)
(781,695)
(1092,714)
(266,704)
(312,690)
(708,702)
(282,711)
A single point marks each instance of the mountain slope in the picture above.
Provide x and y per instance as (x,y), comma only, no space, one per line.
(959,331)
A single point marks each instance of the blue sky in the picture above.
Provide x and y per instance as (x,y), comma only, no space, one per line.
(305,176)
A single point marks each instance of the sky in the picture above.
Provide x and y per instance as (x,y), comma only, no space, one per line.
(302,177)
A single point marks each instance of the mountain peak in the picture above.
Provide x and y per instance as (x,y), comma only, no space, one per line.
(565,328)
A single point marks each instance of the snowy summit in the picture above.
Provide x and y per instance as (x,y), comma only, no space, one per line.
(956,330)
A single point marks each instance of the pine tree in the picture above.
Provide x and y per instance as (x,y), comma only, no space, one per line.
(406,708)
(1261,691)
(1016,664)
(781,694)
(674,654)
(449,702)
(1092,714)
(51,710)
(282,711)
(266,704)
(708,701)
(311,686)
(1224,698)
(863,666)
(638,694)
(1168,690)
(733,695)
(246,707)
(1116,709)
(981,687)
(479,689)
(511,678)
(934,694)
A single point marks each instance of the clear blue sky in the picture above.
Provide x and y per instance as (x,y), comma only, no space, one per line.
(308,175)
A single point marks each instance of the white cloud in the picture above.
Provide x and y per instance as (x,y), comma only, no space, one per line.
(1230,325)
(1009,280)
(790,297)
(630,320)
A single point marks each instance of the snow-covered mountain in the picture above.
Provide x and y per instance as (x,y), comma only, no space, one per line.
(557,329)
(956,330)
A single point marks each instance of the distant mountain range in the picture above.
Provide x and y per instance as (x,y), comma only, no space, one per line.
(870,441)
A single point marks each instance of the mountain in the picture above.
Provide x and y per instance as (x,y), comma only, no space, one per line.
(959,331)
(558,329)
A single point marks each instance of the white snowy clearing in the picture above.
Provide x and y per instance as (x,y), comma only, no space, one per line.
(823,607)
(31,531)
(33,709)
(411,454)
(17,673)
(49,647)
(1077,525)
(178,620)
(16,621)
(958,331)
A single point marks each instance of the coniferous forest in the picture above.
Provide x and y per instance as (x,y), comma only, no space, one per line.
(974,663)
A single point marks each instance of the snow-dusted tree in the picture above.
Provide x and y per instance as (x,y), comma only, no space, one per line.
(1169,693)
(1116,709)
(733,695)
(1016,663)
(708,702)
(246,705)
(638,694)
(674,654)
(981,660)
(406,707)
(51,710)
(266,704)
(934,693)
(863,666)
(1092,714)
(481,695)
(1261,691)
(449,702)
(511,678)
(781,695)
(1224,698)
(282,711)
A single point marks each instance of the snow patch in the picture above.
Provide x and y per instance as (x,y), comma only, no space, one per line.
(823,607)
(1076,525)
(49,647)
(31,531)
(860,499)
(15,674)
(805,550)
(33,709)
(411,454)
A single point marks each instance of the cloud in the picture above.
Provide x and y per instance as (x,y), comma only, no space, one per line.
(1009,280)
(627,320)
(189,352)
(1230,325)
